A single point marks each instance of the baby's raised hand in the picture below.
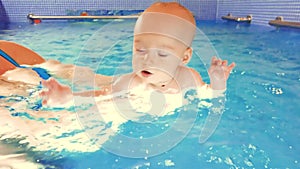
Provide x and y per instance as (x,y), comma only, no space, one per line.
(219,72)
(55,94)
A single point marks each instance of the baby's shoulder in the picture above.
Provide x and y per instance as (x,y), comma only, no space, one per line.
(187,72)
(190,76)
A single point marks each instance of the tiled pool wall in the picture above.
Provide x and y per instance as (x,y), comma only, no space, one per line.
(261,10)
(17,10)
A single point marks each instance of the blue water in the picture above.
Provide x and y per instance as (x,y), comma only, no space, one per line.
(261,122)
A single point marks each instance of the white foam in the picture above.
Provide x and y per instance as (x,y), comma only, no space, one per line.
(42,132)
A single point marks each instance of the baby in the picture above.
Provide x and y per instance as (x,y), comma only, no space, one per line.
(163,35)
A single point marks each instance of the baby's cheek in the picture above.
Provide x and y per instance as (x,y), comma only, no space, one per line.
(136,63)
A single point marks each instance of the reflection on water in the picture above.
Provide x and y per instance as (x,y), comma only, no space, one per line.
(86,127)
(16,157)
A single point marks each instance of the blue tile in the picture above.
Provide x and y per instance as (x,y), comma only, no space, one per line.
(262,11)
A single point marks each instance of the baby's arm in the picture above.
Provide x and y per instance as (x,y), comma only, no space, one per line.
(77,74)
(58,94)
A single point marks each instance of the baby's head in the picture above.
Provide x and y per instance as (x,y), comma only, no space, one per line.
(162,38)
(169,19)
(172,8)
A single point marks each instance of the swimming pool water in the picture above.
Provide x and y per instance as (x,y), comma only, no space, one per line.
(259,127)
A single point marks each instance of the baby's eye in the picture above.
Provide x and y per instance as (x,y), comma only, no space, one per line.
(163,54)
(140,50)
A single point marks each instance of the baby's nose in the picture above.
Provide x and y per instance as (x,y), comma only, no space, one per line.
(148,61)
(149,57)
(146,56)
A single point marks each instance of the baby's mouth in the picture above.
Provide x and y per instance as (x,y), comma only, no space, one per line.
(146,73)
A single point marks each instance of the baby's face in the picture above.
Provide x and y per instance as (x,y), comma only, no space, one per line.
(156,58)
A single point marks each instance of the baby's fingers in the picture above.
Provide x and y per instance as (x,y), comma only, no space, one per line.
(214,60)
(224,63)
(44,102)
(44,93)
(46,83)
(50,84)
(231,66)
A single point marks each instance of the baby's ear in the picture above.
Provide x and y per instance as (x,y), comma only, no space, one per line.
(187,55)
